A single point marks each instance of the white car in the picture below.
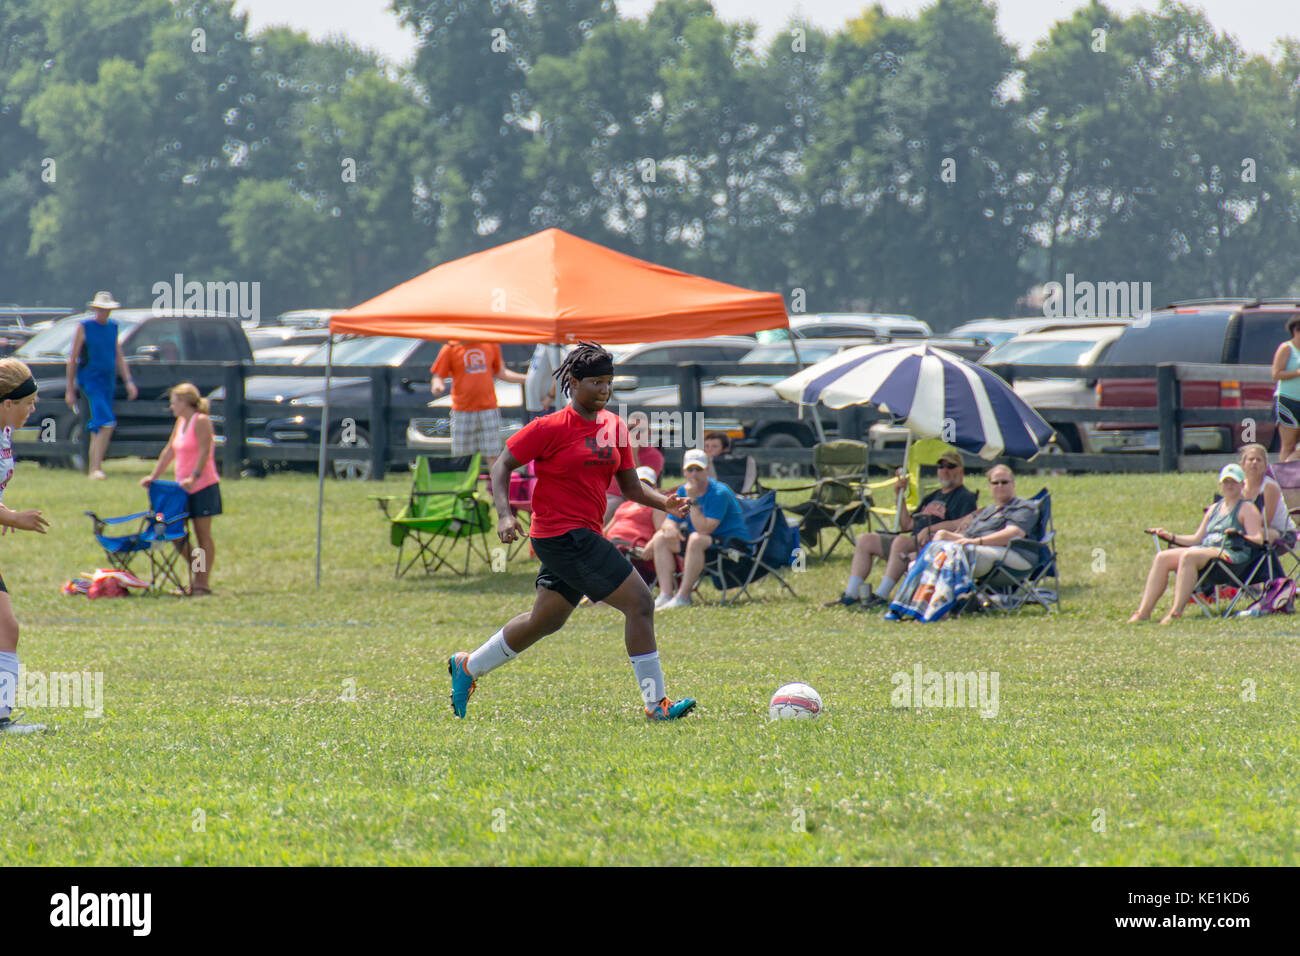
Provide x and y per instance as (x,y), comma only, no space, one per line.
(826,325)
(997,331)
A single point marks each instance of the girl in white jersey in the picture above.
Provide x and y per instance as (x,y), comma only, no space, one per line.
(17,400)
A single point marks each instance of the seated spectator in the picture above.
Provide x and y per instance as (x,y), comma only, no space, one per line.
(1227,531)
(634,524)
(941,509)
(713,516)
(987,532)
(737,472)
(1266,494)
(642,455)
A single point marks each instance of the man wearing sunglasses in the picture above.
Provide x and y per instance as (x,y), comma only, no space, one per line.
(942,508)
(987,532)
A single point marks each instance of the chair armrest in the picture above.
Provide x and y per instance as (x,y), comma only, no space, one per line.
(119,520)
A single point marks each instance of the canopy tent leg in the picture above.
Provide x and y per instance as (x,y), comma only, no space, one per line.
(324,438)
(817,419)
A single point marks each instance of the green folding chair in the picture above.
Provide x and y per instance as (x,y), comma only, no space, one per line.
(443,517)
(840,496)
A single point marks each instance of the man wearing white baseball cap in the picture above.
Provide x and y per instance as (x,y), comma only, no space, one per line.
(94,362)
(713,515)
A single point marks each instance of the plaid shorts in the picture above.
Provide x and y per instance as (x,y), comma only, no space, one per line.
(476,432)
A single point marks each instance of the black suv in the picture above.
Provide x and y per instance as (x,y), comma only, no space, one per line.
(147,338)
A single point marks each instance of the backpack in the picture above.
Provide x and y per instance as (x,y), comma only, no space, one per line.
(1278,598)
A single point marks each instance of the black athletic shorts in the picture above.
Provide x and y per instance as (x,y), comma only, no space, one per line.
(206,502)
(2,586)
(580,562)
(1287,411)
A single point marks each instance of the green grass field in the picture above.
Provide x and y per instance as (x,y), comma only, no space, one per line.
(228,735)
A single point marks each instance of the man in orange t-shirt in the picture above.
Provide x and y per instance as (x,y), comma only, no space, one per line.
(473,368)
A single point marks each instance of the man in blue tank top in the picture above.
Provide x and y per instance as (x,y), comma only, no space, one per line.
(94,363)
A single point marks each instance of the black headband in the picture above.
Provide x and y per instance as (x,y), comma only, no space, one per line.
(21,391)
(592,368)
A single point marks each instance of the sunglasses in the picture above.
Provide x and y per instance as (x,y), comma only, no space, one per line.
(946,464)
(1000,481)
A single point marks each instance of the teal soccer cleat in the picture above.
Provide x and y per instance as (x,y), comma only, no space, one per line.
(462,684)
(667,710)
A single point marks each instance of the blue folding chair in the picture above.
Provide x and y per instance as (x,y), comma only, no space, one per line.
(159,534)
(1009,589)
(768,548)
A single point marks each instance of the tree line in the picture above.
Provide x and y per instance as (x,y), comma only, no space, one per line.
(912,164)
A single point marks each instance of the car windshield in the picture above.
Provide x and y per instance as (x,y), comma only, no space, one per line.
(777,353)
(56,341)
(1068,352)
(370,350)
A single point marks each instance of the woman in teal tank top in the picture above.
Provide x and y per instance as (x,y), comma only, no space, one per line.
(1228,529)
(1286,372)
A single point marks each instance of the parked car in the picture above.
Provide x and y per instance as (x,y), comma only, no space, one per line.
(1083,347)
(997,331)
(1214,331)
(825,325)
(145,335)
(718,349)
(273,336)
(292,419)
(19,323)
(430,431)
(285,354)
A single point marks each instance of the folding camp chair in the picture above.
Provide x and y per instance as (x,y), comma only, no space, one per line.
(840,498)
(443,512)
(926,451)
(1008,589)
(1287,475)
(1246,580)
(739,473)
(520,496)
(159,534)
(736,563)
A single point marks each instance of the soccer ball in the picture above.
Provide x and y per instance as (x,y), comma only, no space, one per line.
(794,702)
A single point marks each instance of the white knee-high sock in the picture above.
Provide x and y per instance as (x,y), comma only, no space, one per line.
(8,681)
(491,655)
(649,677)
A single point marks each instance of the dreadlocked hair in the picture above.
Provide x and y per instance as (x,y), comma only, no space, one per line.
(585,354)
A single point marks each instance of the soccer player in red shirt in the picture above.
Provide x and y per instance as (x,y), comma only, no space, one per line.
(574,452)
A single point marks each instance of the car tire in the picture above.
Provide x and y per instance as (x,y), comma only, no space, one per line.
(782,439)
(351,469)
(76,461)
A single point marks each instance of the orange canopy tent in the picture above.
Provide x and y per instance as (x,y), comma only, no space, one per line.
(551,287)
(555,287)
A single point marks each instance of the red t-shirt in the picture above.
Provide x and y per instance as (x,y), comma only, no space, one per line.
(634,523)
(574,460)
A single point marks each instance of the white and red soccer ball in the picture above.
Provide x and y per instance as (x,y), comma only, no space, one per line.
(794,702)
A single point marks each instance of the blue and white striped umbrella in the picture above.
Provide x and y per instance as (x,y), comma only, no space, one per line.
(933,392)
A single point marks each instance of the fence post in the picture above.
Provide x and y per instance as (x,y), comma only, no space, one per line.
(381,410)
(1169,407)
(232,459)
(688,394)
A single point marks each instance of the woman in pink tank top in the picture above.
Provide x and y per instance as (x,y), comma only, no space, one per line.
(191,448)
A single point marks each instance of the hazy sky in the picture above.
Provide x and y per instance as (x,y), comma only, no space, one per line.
(1255,23)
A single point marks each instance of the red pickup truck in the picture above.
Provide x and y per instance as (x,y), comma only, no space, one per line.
(1212,331)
